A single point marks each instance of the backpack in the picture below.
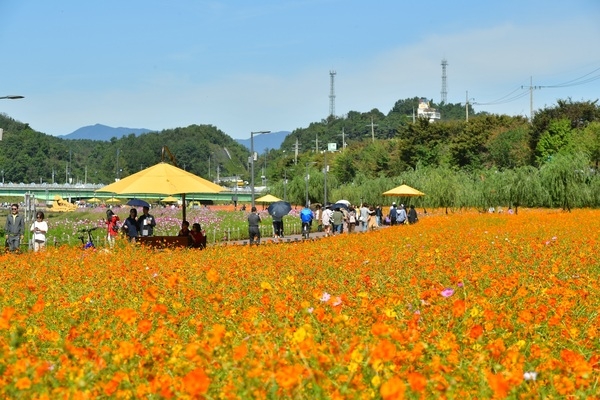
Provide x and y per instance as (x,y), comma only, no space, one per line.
(352,217)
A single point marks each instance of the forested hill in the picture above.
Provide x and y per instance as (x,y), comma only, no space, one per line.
(30,156)
(374,145)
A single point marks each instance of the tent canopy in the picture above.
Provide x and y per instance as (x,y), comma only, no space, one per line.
(269,198)
(404,191)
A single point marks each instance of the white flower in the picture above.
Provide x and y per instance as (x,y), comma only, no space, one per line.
(337,302)
(325,298)
(530,376)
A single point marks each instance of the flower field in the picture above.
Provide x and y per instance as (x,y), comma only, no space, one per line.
(461,306)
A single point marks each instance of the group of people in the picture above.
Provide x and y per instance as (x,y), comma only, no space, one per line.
(196,236)
(14,229)
(335,218)
(399,216)
(134,227)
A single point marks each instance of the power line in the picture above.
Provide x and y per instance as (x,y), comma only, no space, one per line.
(510,97)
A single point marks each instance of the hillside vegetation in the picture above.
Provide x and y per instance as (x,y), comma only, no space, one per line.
(486,161)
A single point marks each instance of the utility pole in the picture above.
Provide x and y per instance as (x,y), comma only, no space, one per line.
(296,147)
(343,140)
(372,125)
(332,94)
(316,144)
(325,178)
(531,89)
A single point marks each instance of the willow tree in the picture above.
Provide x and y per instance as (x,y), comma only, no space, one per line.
(564,177)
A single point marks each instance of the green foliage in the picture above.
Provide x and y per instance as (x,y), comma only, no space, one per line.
(553,140)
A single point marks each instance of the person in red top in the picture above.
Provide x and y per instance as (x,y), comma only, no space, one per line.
(112,222)
(198,237)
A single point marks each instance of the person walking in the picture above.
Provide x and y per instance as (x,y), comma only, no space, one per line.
(401,218)
(338,220)
(351,219)
(326,220)
(379,215)
(39,229)
(363,216)
(146,222)
(318,218)
(14,228)
(412,215)
(393,214)
(277,226)
(306,216)
(253,227)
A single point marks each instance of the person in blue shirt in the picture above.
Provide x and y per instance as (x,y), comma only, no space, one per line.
(306,216)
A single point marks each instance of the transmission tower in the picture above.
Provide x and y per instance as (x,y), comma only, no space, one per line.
(444,88)
(332,93)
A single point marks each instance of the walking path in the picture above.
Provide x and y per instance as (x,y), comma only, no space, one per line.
(285,239)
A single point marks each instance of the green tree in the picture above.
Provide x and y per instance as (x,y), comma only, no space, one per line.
(553,140)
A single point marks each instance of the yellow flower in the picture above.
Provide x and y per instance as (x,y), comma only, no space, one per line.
(299,335)
(266,286)
(376,381)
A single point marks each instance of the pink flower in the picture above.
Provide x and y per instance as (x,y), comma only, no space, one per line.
(337,302)
(447,292)
(325,298)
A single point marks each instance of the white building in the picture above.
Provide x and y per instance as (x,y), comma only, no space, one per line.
(424,111)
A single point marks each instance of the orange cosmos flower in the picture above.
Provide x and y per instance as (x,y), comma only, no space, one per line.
(5,317)
(458,308)
(417,381)
(196,382)
(23,383)
(498,384)
(393,389)
(476,331)
(384,351)
(144,326)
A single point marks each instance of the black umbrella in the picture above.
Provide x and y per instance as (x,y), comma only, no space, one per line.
(339,205)
(279,209)
(138,203)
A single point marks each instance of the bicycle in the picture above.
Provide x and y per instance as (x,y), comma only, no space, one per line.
(90,240)
(306,229)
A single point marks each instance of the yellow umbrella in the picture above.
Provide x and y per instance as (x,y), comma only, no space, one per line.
(269,198)
(113,200)
(403,191)
(94,200)
(162,179)
(170,199)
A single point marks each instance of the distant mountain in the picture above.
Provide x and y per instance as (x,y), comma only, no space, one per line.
(266,141)
(103,132)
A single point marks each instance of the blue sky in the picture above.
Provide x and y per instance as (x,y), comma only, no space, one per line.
(255,65)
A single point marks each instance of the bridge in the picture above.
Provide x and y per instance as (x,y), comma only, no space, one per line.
(47,191)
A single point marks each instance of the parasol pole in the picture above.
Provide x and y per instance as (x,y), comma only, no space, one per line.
(165,149)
